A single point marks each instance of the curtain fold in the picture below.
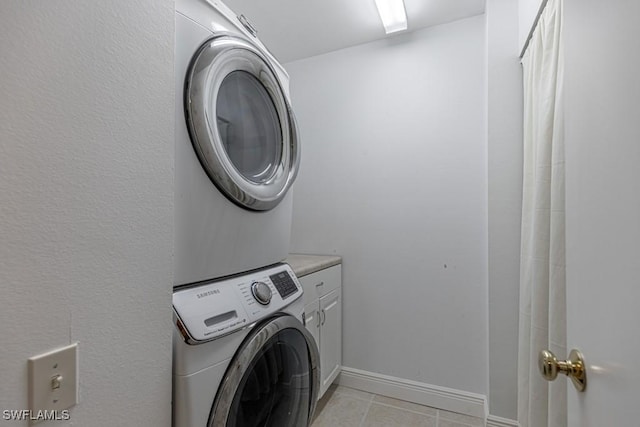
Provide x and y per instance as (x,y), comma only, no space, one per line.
(542,266)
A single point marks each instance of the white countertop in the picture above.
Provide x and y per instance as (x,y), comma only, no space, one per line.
(303,264)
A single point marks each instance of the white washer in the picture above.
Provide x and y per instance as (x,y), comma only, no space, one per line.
(241,354)
(236,148)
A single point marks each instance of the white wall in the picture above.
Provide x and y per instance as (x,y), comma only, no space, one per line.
(504,118)
(528,12)
(394,178)
(86,202)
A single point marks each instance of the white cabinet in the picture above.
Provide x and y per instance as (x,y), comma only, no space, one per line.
(323,312)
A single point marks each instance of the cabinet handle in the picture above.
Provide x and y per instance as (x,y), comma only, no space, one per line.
(319,284)
(318,322)
(324,316)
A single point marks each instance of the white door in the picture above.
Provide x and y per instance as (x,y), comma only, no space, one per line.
(602,84)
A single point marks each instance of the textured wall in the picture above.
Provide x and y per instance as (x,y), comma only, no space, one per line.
(394,178)
(86,201)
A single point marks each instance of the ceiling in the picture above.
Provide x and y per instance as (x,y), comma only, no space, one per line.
(296,29)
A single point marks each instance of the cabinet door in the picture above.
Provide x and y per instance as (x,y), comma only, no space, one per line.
(312,316)
(330,338)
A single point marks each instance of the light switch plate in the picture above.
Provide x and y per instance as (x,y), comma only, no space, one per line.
(53,380)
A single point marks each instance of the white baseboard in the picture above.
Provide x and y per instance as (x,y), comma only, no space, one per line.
(493,421)
(448,399)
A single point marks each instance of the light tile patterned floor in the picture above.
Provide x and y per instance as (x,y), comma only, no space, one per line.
(347,407)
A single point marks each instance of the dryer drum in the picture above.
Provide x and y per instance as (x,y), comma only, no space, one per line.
(272,381)
(240,123)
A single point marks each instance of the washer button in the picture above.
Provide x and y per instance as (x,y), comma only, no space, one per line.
(261,292)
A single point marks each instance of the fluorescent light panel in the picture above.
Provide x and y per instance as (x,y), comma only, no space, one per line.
(393,15)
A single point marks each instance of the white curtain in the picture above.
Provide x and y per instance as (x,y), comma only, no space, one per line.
(542,266)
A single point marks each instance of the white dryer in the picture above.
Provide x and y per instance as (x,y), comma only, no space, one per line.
(236,151)
(241,354)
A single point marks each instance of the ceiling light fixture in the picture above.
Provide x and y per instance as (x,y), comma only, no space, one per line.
(393,15)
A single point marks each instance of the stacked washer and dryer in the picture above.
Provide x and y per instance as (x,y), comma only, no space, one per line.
(242,356)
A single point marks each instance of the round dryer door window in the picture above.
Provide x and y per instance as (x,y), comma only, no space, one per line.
(249,126)
(240,123)
(272,380)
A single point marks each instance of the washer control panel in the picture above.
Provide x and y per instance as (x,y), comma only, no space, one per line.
(214,309)
(284,283)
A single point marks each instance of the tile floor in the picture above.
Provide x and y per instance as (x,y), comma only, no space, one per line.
(347,407)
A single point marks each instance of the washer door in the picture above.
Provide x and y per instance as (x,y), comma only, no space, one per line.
(272,381)
(240,122)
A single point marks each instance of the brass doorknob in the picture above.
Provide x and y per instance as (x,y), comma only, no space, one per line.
(573,367)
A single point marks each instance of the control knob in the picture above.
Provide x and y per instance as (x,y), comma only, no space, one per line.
(261,292)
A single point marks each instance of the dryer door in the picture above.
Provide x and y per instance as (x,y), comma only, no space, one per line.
(240,123)
(272,381)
